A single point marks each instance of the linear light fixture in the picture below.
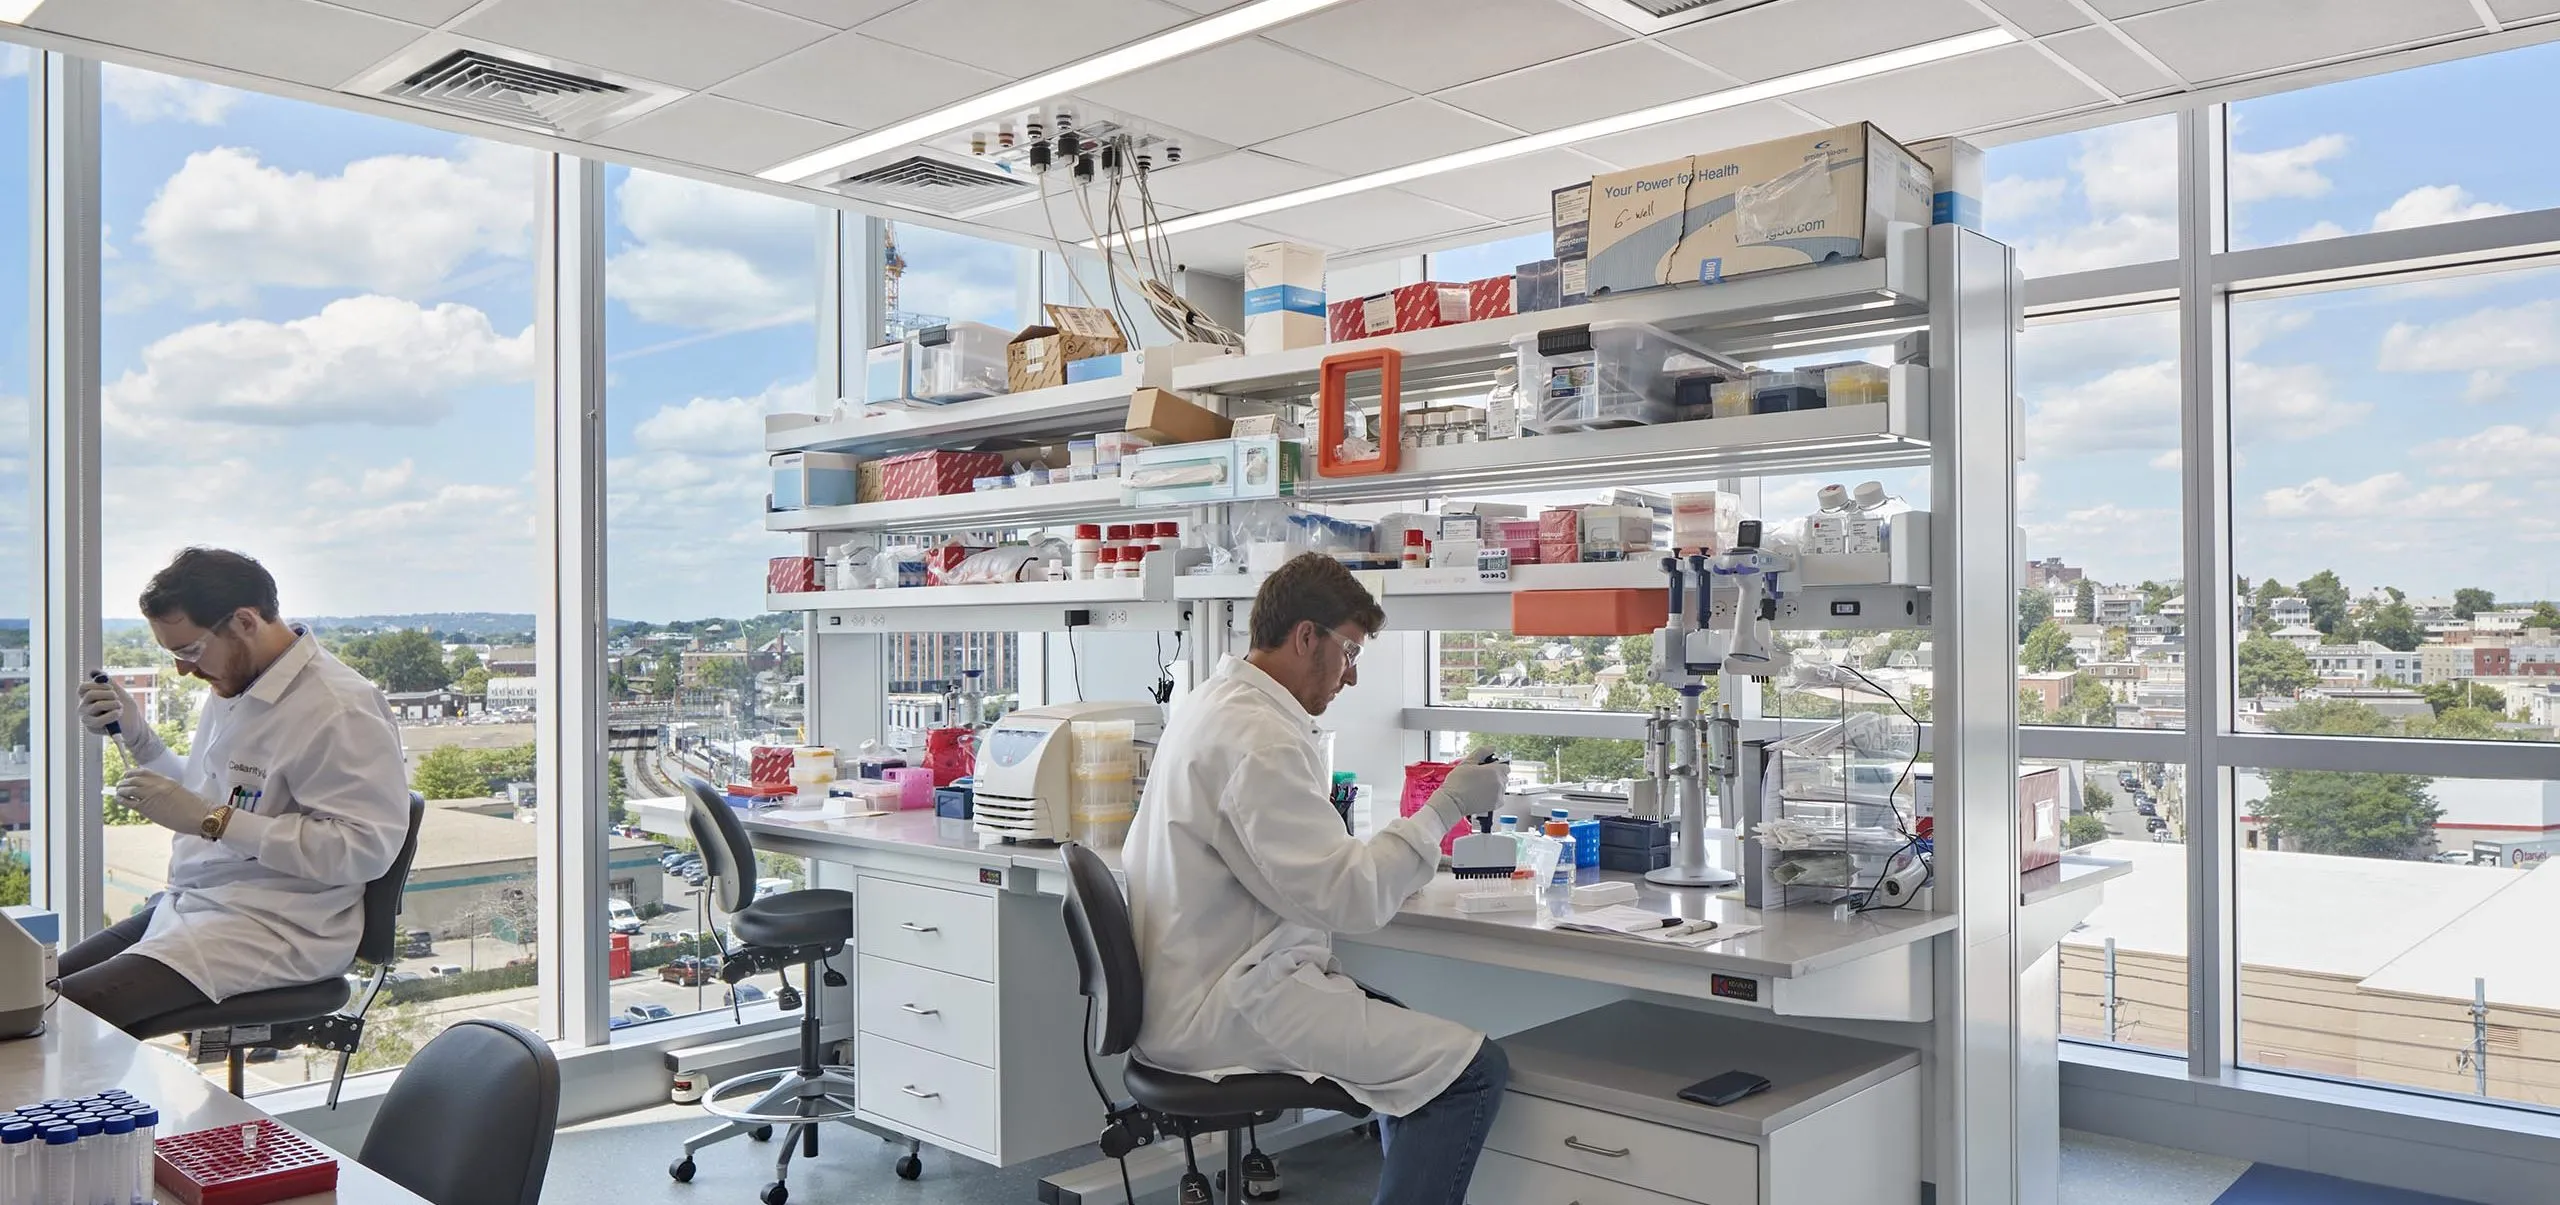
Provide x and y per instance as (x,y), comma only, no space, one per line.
(1199,35)
(1769,89)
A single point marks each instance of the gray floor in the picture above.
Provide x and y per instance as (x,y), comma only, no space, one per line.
(623,1160)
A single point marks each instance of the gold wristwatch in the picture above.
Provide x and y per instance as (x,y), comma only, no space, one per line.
(215,822)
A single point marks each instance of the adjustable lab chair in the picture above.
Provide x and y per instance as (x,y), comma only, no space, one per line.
(1185,1106)
(792,928)
(311,1014)
(469,1120)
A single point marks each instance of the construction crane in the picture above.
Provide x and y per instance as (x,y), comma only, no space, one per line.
(899,322)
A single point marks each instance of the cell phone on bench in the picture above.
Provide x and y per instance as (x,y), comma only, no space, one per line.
(1721,1090)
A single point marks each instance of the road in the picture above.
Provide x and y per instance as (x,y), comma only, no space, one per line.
(2122,820)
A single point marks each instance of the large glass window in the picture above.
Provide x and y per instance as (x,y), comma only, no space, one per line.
(2379,915)
(2100,198)
(2124,972)
(710,324)
(17,516)
(1501,257)
(2391,151)
(2388,443)
(319,350)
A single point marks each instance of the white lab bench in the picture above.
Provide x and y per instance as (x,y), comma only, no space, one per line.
(969,1029)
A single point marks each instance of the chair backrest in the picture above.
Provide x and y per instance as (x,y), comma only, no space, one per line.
(382,896)
(727,856)
(1106,949)
(469,1120)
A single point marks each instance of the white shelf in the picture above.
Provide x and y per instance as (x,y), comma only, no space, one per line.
(1065,502)
(998,594)
(1806,310)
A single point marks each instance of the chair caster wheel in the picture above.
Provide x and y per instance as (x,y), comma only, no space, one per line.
(761,1133)
(910,1167)
(681,1171)
(774,1194)
(1261,1176)
(1194,1190)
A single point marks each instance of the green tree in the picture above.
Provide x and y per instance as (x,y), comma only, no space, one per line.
(2330,717)
(2119,644)
(2544,616)
(16,884)
(2394,626)
(463,661)
(13,717)
(2047,649)
(2156,594)
(617,793)
(2328,598)
(2268,666)
(2088,705)
(2461,692)
(2035,609)
(2463,724)
(448,772)
(2472,600)
(474,681)
(2095,798)
(2084,602)
(408,660)
(2083,830)
(2350,814)
(2030,706)
(668,675)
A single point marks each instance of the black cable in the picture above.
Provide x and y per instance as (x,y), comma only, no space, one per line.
(1075,664)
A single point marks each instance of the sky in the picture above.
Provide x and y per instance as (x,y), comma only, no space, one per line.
(318,348)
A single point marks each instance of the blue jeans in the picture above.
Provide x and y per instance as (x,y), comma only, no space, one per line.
(1431,1152)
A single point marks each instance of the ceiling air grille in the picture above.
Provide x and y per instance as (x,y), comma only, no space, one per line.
(1654,16)
(934,185)
(527,92)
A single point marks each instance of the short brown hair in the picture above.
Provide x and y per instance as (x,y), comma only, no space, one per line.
(209,585)
(1314,588)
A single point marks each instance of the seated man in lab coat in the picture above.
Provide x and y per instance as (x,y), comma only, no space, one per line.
(293,797)
(1240,873)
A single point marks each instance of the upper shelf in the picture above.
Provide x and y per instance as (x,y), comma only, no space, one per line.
(1800,311)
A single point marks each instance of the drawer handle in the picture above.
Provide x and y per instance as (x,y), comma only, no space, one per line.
(911,1090)
(921,1012)
(912,927)
(1588,1149)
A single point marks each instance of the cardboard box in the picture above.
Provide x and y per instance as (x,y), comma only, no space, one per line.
(1161,416)
(888,373)
(805,479)
(1489,298)
(1345,321)
(869,482)
(2040,814)
(1955,169)
(1037,358)
(1153,366)
(791,575)
(1560,537)
(1283,298)
(935,474)
(1569,221)
(1808,199)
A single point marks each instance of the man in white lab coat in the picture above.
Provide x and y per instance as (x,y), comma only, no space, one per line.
(292,798)
(1240,873)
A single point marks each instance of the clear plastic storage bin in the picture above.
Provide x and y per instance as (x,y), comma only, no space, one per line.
(1619,374)
(959,361)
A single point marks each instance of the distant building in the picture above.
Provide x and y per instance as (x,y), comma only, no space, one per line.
(510,661)
(507,694)
(2116,608)
(2300,635)
(2050,688)
(2289,611)
(2363,663)
(17,799)
(2051,572)
(926,662)
(2175,610)
(2534,660)
(2447,662)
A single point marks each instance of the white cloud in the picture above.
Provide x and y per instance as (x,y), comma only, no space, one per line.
(2487,345)
(2027,485)
(365,359)
(2128,409)
(2290,171)
(2129,175)
(2320,230)
(2108,242)
(728,426)
(2115,542)
(2061,355)
(710,257)
(2289,401)
(2169,460)
(225,223)
(686,508)
(2012,198)
(2381,496)
(2253,325)
(147,96)
(2433,205)
(2505,450)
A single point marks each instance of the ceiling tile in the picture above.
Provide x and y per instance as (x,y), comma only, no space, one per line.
(1376,218)
(1219,248)
(1954,96)
(1740,126)
(1604,83)
(1511,189)
(1029,38)
(1796,35)
(1244,92)
(2223,39)
(2109,61)
(1426,45)
(714,131)
(1231,179)
(843,14)
(860,82)
(1069,215)
(294,40)
(429,13)
(2040,17)
(2518,10)
(687,43)
(2117,9)
(1405,132)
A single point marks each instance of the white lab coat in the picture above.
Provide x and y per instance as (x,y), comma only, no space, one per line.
(280,899)
(1239,875)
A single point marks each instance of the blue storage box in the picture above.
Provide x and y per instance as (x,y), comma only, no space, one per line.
(1586,841)
(1095,368)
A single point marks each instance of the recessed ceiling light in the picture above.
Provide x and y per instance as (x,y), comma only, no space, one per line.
(1770,89)
(1172,44)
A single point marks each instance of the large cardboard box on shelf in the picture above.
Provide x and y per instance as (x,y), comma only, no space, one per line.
(934,474)
(791,575)
(1161,416)
(1956,168)
(1809,199)
(1283,298)
(1038,356)
(1412,307)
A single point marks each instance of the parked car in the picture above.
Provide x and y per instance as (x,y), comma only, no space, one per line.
(648,1012)
(690,971)
(618,1021)
(2145,807)
(695,877)
(671,857)
(442,969)
(397,977)
(621,916)
(744,993)
(417,943)
(2155,824)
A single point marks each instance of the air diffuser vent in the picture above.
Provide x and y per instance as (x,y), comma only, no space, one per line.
(526,92)
(1654,16)
(935,185)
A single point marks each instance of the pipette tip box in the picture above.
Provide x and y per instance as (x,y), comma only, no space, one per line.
(250,1163)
